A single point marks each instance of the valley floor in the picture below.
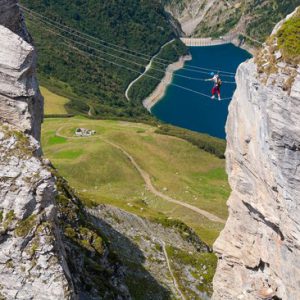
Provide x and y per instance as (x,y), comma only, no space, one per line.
(140,189)
(130,166)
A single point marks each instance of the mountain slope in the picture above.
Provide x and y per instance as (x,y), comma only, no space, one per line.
(189,13)
(137,169)
(216,18)
(94,85)
(52,247)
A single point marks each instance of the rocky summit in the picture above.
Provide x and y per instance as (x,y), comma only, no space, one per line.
(259,250)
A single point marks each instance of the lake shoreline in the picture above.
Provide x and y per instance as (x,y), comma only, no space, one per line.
(194,110)
(160,90)
(244,46)
(147,68)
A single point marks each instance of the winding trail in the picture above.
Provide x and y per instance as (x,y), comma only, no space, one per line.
(147,68)
(170,271)
(163,246)
(147,179)
(154,191)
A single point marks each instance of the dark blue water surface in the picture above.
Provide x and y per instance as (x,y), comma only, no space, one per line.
(189,110)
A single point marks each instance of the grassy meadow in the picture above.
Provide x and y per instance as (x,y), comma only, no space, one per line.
(54,104)
(103,174)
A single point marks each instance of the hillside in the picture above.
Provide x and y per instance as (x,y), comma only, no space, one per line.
(55,104)
(116,254)
(216,18)
(93,68)
(154,197)
(189,13)
(130,166)
(55,245)
(146,202)
(73,66)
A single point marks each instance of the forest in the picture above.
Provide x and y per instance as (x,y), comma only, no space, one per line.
(93,69)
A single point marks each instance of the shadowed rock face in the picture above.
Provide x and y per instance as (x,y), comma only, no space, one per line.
(11,17)
(20,99)
(259,249)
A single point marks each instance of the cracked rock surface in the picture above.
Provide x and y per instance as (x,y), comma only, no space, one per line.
(32,264)
(259,249)
(20,98)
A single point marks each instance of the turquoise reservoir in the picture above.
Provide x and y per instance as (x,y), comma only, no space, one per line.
(189,110)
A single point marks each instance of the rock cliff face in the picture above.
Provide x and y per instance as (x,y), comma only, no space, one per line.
(189,13)
(21,101)
(32,264)
(44,232)
(211,18)
(12,18)
(259,249)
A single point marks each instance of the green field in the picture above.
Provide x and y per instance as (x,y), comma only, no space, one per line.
(103,174)
(53,104)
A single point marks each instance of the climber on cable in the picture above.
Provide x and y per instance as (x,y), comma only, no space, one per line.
(217,85)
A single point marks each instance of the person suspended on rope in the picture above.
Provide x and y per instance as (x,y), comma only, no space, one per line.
(217,85)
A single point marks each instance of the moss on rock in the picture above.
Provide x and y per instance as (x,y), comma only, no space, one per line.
(288,39)
(25,226)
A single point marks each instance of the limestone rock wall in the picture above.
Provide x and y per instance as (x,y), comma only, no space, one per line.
(32,264)
(21,103)
(259,249)
(32,256)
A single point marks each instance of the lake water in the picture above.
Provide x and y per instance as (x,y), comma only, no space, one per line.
(189,110)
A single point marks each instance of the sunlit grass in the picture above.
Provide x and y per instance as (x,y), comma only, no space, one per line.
(289,38)
(103,174)
(53,104)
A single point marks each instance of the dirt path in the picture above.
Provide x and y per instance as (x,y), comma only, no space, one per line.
(154,191)
(147,179)
(171,272)
(163,246)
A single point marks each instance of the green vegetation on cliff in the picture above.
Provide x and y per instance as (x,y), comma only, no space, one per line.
(265,14)
(257,17)
(289,39)
(89,258)
(201,266)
